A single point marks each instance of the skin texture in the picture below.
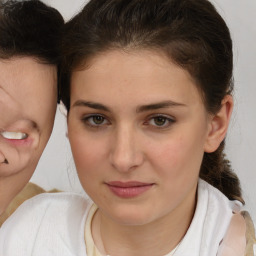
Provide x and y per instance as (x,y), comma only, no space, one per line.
(136,117)
(26,86)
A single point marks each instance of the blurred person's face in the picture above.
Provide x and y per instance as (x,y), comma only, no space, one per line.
(28,92)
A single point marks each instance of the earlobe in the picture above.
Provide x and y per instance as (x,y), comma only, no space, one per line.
(218,125)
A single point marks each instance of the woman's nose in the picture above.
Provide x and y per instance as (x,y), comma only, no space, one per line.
(126,153)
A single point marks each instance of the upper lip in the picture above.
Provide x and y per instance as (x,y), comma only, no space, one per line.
(128,184)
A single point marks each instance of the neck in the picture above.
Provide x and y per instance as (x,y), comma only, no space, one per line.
(156,238)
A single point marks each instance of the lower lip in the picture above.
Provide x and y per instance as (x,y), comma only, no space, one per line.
(129,192)
(24,142)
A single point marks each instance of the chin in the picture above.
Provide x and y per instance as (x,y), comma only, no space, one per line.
(130,217)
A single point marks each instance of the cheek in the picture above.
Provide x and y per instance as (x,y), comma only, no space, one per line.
(179,158)
(87,153)
(89,160)
(42,104)
(19,159)
(47,113)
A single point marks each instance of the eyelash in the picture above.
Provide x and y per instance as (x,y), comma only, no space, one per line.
(168,121)
(86,120)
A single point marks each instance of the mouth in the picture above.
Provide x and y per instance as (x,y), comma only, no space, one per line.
(20,133)
(129,189)
(16,137)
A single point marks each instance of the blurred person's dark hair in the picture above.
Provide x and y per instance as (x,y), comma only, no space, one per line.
(30,29)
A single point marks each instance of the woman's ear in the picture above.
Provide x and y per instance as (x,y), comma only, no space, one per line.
(218,125)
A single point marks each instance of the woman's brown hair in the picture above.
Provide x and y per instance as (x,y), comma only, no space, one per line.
(190,32)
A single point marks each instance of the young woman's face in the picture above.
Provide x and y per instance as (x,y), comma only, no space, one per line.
(137,128)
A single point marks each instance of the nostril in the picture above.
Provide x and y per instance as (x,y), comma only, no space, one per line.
(5,161)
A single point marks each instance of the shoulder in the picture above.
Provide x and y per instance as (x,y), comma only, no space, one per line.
(44,203)
(43,218)
(219,203)
(250,234)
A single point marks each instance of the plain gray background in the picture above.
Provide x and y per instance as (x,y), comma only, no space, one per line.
(56,168)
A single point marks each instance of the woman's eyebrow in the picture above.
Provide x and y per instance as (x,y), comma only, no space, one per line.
(143,108)
(158,105)
(89,104)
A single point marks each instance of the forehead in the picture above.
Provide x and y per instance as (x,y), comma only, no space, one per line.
(26,74)
(23,67)
(136,72)
(25,84)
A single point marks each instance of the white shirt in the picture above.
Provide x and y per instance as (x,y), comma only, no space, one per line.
(53,225)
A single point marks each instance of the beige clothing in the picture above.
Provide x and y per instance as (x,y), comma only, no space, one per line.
(250,234)
(28,192)
(90,246)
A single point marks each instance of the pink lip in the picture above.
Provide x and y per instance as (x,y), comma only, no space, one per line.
(128,189)
(24,142)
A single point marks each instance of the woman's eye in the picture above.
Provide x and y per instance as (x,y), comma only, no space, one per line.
(95,120)
(161,121)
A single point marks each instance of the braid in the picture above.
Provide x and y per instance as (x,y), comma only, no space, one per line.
(216,170)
